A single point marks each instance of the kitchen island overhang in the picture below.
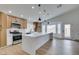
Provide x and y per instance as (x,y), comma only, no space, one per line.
(32,42)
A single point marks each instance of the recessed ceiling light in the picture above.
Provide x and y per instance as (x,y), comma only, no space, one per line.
(21,15)
(10,11)
(33,7)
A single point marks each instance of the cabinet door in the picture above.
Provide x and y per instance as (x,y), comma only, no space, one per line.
(37,26)
(3,37)
(13,19)
(0,38)
(23,23)
(9,21)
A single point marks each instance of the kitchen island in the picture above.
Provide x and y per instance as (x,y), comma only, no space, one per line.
(33,41)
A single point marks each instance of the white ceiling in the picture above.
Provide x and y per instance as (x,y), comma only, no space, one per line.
(33,14)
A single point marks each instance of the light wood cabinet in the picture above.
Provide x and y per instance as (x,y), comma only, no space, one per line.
(0,22)
(3,37)
(37,26)
(5,23)
(12,19)
(23,23)
(9,21)
(3,18)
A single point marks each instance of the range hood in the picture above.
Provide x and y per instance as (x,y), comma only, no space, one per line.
(15,25)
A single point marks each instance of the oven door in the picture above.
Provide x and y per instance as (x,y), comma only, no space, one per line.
(17,37)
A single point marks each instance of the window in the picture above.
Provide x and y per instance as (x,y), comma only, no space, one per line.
(59,28)
(51,28)
(67,30)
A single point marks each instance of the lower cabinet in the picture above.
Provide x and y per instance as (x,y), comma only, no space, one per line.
(3,37)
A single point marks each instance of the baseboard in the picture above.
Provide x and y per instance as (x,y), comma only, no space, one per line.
(77,40)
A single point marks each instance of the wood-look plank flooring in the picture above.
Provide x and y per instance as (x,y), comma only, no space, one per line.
(12,50)
(54,47)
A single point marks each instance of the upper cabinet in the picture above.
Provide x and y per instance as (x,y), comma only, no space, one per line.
(17,20)
(14,20)
(9,21)
(23,23)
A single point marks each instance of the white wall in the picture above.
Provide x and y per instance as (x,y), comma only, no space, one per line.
(72,18)
(30,27)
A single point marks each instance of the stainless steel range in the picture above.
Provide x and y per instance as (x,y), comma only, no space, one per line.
(16,36)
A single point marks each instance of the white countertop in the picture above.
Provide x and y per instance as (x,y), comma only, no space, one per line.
(36,34)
